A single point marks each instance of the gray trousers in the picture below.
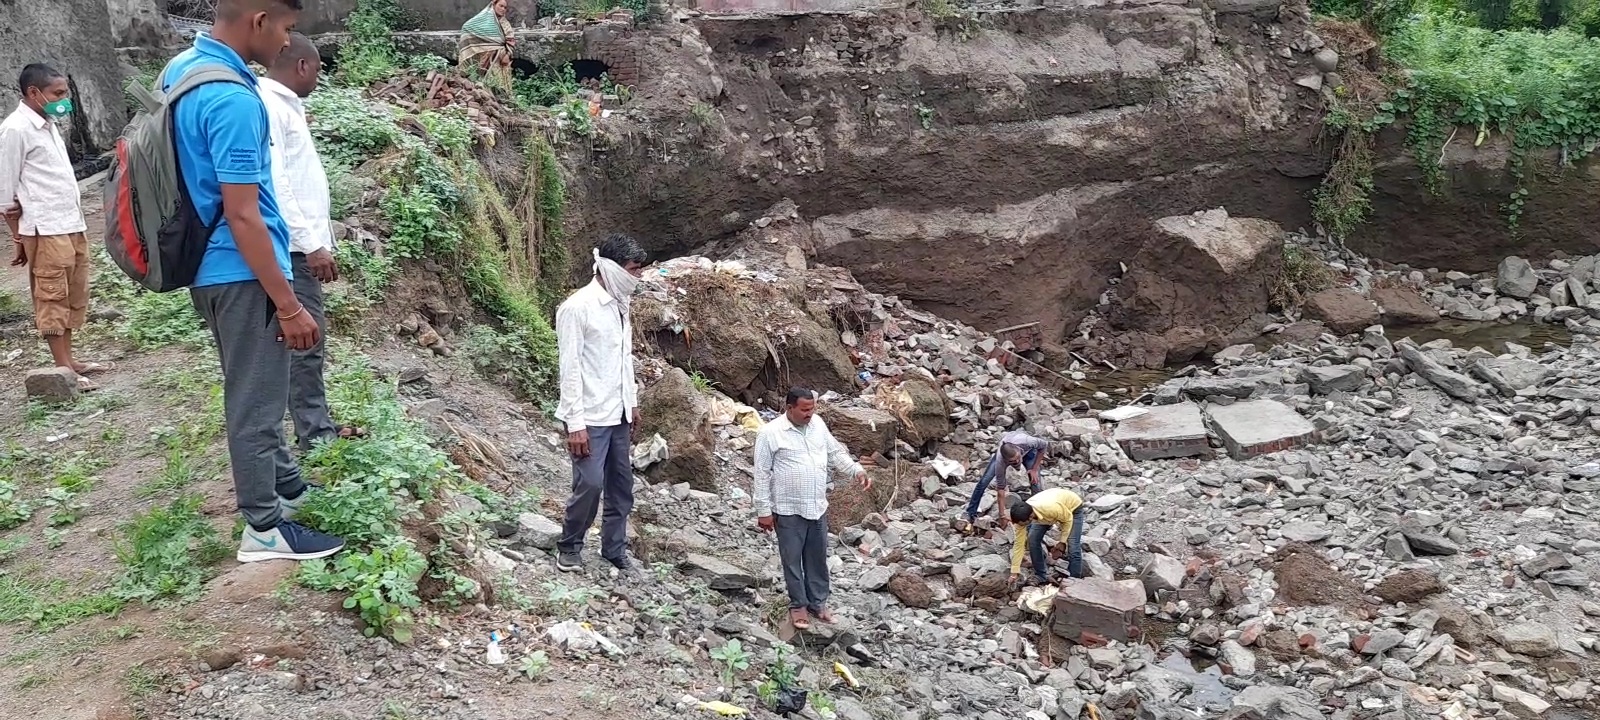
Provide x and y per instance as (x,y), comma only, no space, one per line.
(606,474)
(255,393)
(803,550)
(308,396)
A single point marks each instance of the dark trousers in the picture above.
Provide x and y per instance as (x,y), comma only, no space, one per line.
(255,394)
(988,476)
(308,395)
(803,550)
(606,474)
(1036,553)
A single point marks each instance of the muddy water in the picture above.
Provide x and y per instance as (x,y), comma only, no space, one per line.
(1121,386)
(1207,690)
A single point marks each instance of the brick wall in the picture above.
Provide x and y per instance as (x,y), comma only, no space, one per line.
(616,45)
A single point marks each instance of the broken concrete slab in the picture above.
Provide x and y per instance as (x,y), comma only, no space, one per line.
(1167,431)
(1110,609)
(1078,427)
(1258,427)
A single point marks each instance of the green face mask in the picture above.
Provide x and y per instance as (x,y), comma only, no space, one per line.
(59,108)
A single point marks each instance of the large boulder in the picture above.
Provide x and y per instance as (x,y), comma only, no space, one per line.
(865,430)
(893,486)
(75,37)
(1404,306)
(673,407)
(925,408)
(754,337)
(1197,280)
(1343,310)
(1516,278)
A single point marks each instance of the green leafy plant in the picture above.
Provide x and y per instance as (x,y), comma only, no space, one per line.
(65,509)
(548,87)
(168,552)
(382,584)
(54,538)
(780,674)
(925,117)
(733,659)
(370,54)
(10,546)
(448,128)
(534,664)
(563,599)
(349,129)
(14,510)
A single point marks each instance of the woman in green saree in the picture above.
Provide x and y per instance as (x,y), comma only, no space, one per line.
(486,42)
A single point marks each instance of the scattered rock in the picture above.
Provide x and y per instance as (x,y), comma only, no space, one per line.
(537,531)
(51,385)
(1408,586)
(911,590)
(1343,310)
(1531,639)
(1403,306)
(1516,278)
(718,574)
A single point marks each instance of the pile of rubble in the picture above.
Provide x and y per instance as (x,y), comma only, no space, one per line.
(1363,527)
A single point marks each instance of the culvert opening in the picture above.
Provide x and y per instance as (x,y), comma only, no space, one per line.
(523,68)
(589,71)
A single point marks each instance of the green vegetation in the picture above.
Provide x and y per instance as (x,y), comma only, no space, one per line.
(370,487)
(732,658)
(370,55)
(1460,72)
(1304,274)
(169,553)
(592,9)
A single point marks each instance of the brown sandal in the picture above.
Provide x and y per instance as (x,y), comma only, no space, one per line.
(800,619)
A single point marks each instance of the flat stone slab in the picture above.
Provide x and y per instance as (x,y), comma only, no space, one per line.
(1257,427)
(1167,431)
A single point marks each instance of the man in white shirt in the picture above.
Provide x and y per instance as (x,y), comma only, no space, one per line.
(39,198)
(599,403)
(794,454)
(301,187)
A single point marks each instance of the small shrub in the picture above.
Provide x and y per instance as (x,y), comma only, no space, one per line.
(1303,275)
(382,584)
(348,129)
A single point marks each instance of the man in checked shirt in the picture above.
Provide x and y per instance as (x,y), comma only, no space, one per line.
(794,454)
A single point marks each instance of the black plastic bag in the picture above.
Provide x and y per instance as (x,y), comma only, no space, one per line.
(791,700)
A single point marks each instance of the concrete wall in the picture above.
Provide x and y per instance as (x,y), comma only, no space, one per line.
(325,16)
(75,37)
(732,7)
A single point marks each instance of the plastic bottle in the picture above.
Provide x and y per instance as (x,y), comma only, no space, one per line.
(494,655)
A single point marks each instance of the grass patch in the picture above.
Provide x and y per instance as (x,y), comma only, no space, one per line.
(50,605)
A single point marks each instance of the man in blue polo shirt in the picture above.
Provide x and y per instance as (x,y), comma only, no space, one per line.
(243,288)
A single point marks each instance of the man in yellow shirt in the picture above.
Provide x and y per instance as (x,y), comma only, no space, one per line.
(1033,518)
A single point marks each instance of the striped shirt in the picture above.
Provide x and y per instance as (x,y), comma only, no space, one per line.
(792,466)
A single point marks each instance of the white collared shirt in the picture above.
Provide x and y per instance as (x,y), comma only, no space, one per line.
(36,172)
(298,179)
(595,343)
(792,467)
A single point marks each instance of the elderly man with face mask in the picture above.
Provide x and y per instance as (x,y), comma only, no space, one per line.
(39,197)
(599,403)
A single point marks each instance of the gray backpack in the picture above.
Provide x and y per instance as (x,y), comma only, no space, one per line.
(152,230)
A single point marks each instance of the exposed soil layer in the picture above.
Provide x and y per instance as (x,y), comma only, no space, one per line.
(941,162)
(1464,226)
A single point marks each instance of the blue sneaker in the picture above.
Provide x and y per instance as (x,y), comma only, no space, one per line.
(287,541)
(289,508)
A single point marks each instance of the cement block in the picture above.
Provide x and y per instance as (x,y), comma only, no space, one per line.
(1257,427)
(1110,609)
(1167,431)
